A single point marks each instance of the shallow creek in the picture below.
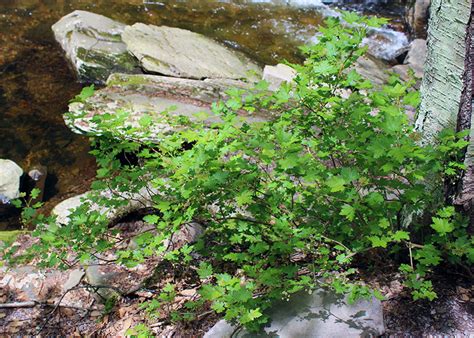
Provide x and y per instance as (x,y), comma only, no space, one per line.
(36,82)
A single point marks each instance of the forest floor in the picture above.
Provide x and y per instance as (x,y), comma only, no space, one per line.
(82,313)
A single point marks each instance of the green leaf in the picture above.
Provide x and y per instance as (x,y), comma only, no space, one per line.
(205,270)
(401,235)
(378,242)
(244,198)
(442,226)
(85,93)
(145,121)
(336,183)
(348,211)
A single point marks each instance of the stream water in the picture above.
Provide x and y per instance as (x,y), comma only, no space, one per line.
(36,82)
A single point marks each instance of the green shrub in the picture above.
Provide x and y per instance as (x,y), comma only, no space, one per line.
(290,203)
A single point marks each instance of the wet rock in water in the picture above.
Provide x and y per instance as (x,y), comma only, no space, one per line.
(10,174)
(181,53)
(94,46)
(386,44)
(276,75)
(132,202)
(415,60)
(383,43)
(151,95)
(321,314)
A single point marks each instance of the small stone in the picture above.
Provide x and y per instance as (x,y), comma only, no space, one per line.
(96,314)
(276,75)
(122,312)
(188,292)
(75,278)
(465,297)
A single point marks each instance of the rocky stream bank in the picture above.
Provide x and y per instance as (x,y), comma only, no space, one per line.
(148,68)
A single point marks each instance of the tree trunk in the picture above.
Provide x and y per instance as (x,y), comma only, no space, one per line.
(446,90)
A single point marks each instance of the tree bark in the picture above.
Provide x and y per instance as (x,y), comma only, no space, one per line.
(447,85)
(443,81)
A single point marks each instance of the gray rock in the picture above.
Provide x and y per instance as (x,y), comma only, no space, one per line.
(415,60)
(94,46)
(151,95)
(10,174)
(276,75)
(416,56)
(27,283)
(321,314)
(105,279)
(74,279)
(182,53)
(135,201)
(372,69)
(115,280)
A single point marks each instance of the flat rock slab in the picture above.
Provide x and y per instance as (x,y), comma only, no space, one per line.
(181,53)
(155,96)
(321,314)
(93,45)
(133,202)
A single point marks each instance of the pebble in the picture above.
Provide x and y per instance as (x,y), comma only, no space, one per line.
(96,314)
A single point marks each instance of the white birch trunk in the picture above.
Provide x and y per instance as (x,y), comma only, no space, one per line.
(446,90)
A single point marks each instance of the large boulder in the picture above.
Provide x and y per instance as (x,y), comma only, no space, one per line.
(320,314)
(10,174)
(150,95)
(94,46)
(182,53)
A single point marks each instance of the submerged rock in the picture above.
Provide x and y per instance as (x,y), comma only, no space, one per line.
(321,314)
(153,96)
(182,53)
(10,174)
(386,44)
(93,44)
